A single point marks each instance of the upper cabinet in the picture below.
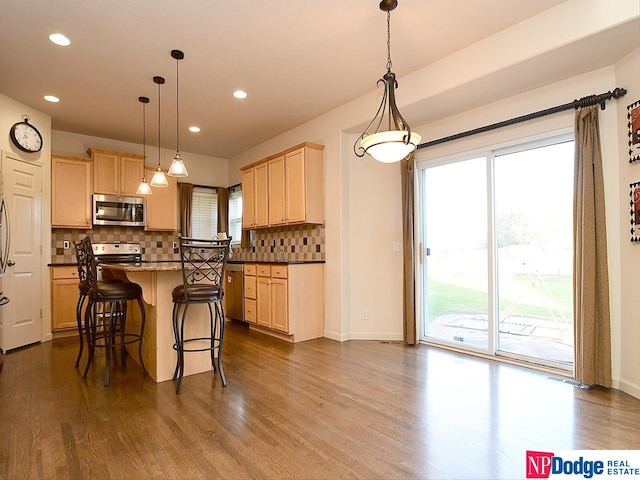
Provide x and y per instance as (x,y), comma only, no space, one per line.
(304,191)
(161,208)
(285,189)
(248,199)
(255,197)
(70,192)
(116,173)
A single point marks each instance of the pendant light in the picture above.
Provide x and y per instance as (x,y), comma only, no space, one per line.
(398,140)
(177,168)
(144,188)
(159,179)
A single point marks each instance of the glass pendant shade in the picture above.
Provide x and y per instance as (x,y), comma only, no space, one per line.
(144,188)
(177,168)
(159,179)
(390,146)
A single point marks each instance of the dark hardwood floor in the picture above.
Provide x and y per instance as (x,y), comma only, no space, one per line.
(317,410)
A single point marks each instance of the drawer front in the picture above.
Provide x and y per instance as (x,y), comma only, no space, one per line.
(250,269)
(264,270)
(65,272)
(250,310)
(279,271)
(250,287)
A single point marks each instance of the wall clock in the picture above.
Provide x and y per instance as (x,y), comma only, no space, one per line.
(25,136)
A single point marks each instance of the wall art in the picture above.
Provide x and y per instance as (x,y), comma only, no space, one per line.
(634,203)
(633,117)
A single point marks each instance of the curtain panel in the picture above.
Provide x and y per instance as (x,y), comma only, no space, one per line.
(223,210)
(185,194)
(592,329)
(409,330)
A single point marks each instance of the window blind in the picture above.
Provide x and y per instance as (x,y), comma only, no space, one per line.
(204,213)
(235,213)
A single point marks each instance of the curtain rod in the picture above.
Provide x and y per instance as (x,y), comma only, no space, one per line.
(201,186)
(581,103)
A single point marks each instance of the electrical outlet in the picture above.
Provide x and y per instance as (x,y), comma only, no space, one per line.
(365,314)
(175,245)
(397,247)
(65,244)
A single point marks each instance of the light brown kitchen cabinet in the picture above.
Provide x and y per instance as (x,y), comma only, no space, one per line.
(248,199)
(64,298)
(304,192)
(255,197)
(287,301)
(261,189)
(116,173)
(277,192)
(250,304)
(294,188)
(279,304)
(161,207)
(70,192)
(263,301)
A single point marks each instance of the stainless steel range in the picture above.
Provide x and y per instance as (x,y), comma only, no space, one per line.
(118,252)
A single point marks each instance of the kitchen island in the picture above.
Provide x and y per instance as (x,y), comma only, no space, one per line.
(157,280)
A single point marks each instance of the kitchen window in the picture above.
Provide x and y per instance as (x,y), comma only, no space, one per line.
(235,213)
(204,212)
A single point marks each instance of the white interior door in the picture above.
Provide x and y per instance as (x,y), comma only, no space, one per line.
(21,318)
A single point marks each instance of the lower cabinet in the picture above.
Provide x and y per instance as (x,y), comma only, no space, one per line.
(285,300)
(64,298)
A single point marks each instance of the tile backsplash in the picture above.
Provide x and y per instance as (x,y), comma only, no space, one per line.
(156,246)
(298,243)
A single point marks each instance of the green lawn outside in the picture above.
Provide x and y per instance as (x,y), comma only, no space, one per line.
(447,298)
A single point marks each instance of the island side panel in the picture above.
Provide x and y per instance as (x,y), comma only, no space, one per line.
(196,325)
(158,353)
(147,280)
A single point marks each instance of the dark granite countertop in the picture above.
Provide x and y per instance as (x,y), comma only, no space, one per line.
(273,262)
(236,262)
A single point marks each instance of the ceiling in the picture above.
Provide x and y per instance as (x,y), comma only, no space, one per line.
(296,59)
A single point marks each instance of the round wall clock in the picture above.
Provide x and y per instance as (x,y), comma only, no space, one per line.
(25,136)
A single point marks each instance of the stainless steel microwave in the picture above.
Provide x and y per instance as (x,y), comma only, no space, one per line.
(118,211)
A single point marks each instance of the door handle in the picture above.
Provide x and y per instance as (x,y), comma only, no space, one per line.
(10,263)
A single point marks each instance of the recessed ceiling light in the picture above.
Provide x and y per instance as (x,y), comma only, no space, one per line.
(194,129)
(51,98)
(59,39)
(240,94)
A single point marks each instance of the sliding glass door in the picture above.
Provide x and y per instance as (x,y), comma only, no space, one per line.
(455,208)
(496,233)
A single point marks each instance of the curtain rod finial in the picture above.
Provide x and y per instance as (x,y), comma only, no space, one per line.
(619,92)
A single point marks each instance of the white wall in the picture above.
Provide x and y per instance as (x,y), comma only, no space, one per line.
(203,169)
(627,351)
(11,112)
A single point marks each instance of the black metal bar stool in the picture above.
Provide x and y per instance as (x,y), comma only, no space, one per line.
(106,312)
(83,290)
(203,266)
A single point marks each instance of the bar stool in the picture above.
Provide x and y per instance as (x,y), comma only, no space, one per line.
(83,288)
(203,266)
(106,313)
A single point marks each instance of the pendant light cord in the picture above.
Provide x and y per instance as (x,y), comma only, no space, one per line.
(144,132)
(388,41)
(158,124)
(177,109)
